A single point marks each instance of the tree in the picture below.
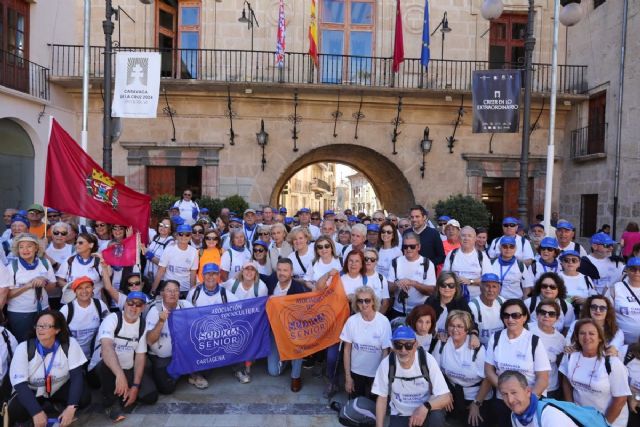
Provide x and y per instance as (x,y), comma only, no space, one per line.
(465,209)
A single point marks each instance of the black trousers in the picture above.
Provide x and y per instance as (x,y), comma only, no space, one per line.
(460,407)
(362,386)
(165,384)
(146,394)
(52,405)
(502,413)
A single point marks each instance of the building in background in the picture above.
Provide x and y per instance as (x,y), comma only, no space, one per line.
(312,187)
(363,197)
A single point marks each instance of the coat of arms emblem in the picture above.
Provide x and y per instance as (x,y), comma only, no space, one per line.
(102,188)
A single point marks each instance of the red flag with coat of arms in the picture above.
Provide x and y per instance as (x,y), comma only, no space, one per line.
(121,254)
(76,184)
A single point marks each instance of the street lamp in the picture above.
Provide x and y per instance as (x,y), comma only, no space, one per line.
(249,20)
(263,140)
(425,147)
(444,27)
(107,138)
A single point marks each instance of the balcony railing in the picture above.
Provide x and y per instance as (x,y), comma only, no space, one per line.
(588,140)
(23,75)
(320,185)
(242,66)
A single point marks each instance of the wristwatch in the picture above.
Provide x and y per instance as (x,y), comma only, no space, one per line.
(427,405)
(471,281)
(135,385)
(478,403)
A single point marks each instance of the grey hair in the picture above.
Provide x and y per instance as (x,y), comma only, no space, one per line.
(61,224)
(234,232)
(468,228)
(360,228)
(365,290)
(507,375)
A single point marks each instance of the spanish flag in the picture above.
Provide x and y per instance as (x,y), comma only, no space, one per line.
(313,34)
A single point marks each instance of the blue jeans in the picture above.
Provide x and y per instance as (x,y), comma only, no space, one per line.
(273,362)
(20,324)
(333,352)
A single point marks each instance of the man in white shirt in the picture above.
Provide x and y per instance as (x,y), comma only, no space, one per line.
(524,251)
(467,262)
(179,262)
(605,270)
(304,216)
(518,397)
(189,209)
(565,232)
(516,279)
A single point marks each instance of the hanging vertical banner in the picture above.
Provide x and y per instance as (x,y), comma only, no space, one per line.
(496,101)
(280,39)
(137,85)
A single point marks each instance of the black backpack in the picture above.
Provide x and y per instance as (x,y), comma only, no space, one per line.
(116,331)
(534,303)
(96,303)
(425,267)
(7,340)
(453,256)
(534,343)
(424,369)
(198,289)
(31,349)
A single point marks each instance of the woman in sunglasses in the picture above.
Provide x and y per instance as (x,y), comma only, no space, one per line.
(579,287)
(344,236)
(600,309)
(58,252)
(279,247)
(197,236)
(86,262)
(388,247)
(626,301)
(211,251)
(376,280)
(548,259)
(547,312)
(130,282)
(463,368)
(260,257)
(102,230)
(551,286)
(515,348)
(118,233)
(325,260)
(593,379)
(157,246)
(366,338)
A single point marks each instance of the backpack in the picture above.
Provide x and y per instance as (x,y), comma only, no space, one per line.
(477,304)
(453,256)
(14,266)
(256,286)
(156,240)
(365,278)
(425,267)
(31,349)
(534,344)
(70,309)
(358,412)
(534,303)
(196,294)
(583,416)
(475,352)
(96,265)
(5,336)
(116,331)
(424,369)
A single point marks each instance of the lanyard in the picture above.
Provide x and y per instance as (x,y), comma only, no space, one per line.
(502,276)
(47,369)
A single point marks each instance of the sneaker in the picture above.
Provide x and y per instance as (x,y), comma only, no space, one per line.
(198,381)
(242,376)
(115,413)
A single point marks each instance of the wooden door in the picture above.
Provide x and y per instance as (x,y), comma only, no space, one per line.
(506,41)
(161,180)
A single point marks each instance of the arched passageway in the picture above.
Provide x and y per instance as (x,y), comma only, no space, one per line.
(16,165)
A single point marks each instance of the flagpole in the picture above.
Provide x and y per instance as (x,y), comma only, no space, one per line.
(84,137)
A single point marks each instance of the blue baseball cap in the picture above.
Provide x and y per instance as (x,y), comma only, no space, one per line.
(329,212)
(403,333)
(261,243)
(183,228)
(304,210)
(507,240)
(288,220)
(283,210)
(20,218)
(204,210)
(565,254)
(510,220)
(490,277)
(538,224)
(444,218)
(549,242)
(633,262)
(177,220)
(137,295)
(373,227)
(602,239)
(210,267)
(235,219)
(51,210)
(353,218)
(565,224)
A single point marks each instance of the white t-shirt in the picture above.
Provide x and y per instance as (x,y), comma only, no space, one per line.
(319,268)
(407,395)
(459,366)
(179,265)
(162,347)
(627,311)
(563,321)
(232,262)
(4,353)
(617,341)
(539,269)
(186,210)
(491,322)
(468,265)
(82,268)
(550,417)
(513,279)
(515,354)
(22,370)
(523,251)
(243,293)
(85,323)
(157,246)
(307,259)
(577,285)
(125,344)
(572,247)
(424,341)
(413,270)
(27,302)
(609,273)
(368,339)
(554,344)
(592,386)
(633,367)
(380,287)
(60,255)
(204,299)
(384,259)
(350,284)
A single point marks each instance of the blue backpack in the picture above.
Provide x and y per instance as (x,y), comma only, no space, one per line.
(583,416)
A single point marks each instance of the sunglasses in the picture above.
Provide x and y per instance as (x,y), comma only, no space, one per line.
(570,260)
(412,247)
(315,219)
(600,308)
(101,225)
(369,259)
(378,219)
(341,220)
(386,232)
(117,227)
(184,234)
(442,223)
(546,286)
(211,238)
(134,283)
(135,304)
(508,246)
(59,233)
(258,251)
(514,316)
(235,226)
(403,345)
(161,225)
(344,232)
(404,226)
(320,247)
(608,246)
(447,285)
(509,225)
(264,234)
(547,249)
(198,231)
(545,313)
(633,270)
(44,327)
(363,301)
(186,194)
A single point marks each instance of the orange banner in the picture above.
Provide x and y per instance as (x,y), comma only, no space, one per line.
(304,324)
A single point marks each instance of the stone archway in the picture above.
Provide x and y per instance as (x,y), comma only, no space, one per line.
(388,181)
(17,156)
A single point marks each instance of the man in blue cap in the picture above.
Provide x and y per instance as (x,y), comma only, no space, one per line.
(413,400)
(485,308)
(304,217)
(442,223)
(373,230)
(524,251)
(601,265)
(179,262)
(189,209)
(210,292)
(565,232)
(516,279)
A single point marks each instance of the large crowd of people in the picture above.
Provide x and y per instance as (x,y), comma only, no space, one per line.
(445,323)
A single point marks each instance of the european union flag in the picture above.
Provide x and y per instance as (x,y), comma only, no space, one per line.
(426,53)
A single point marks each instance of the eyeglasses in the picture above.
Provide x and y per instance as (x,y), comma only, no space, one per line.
(313,218)
(600,308)
(386,232)
(363,300)
(457,327)
(570,260)
(404,226)
(547,286)
(447,285)
(258,251)
(633,270)
(378,219)
(45,327)
(508,246)
(411,247)
(117,227)
(370,259)
(101,225)
(547,249)
(161,225)
(134,283)
(515,315)
(135,304)
(403,345)
(344,232)
(510,225)
(442,223)
(60,233)
(211,238)
(186,194)
(265,233)
(184,234)
(545,313)
(320,247)
(198,231)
